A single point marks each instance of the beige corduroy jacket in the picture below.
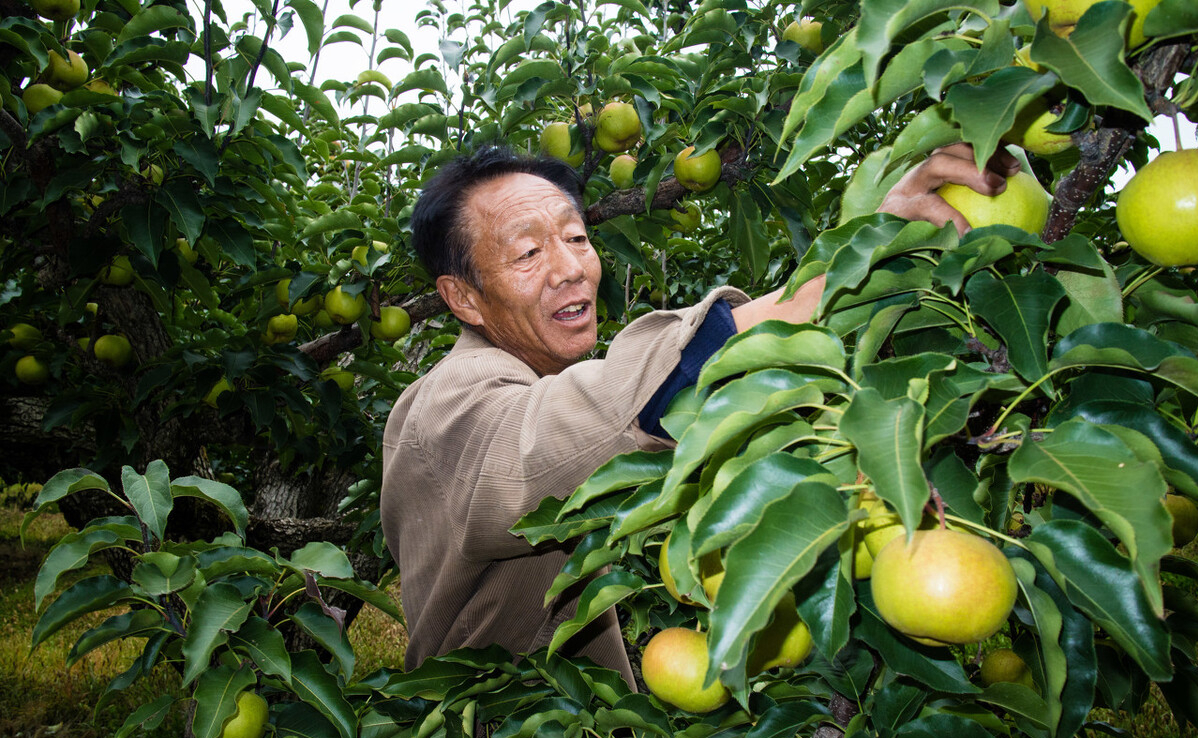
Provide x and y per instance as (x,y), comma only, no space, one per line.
(478,442)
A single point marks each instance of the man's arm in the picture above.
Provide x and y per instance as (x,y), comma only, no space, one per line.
(913,197)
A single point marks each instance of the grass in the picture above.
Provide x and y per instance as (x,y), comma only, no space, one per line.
(40,696)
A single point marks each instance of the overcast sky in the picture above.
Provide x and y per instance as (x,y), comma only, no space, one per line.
(345,60)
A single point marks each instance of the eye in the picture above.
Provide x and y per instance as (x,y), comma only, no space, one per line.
(528,254)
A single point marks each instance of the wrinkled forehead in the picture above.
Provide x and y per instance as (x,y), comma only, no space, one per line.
(511,205)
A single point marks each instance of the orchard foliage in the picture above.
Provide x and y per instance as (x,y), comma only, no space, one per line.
(1040,389)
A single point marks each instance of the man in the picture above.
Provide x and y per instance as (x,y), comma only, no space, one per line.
(514,414)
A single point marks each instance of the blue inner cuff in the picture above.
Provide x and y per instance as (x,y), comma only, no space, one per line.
(716,329)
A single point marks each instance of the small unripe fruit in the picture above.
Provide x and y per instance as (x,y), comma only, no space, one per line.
(31,371)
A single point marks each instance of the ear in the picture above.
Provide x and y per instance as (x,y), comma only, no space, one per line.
(462,298)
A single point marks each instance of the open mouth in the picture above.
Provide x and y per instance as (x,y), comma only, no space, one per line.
(571,313)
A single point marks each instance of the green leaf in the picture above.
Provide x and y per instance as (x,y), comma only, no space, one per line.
(126,625)
(748,233)
(366,592)
(942,724)
(1172,18)
(1066,640)
(219,610)
(71,552)
(1018,308)
(161,573)
(935,667)
(850,266)
(888,435)
(1094,297)
(775,343)
(216,698)
(81,598)
(262,643)
(785,720)
(338,220)
(1090,59)
(326,632)
(635,711)
(987,110)
(436,676)
(591,553)
(824,71)
(764,565)
(1096,466)
(64,483)
(179,198)
(235,241)
(1175,446)
(323,558)
(739,507)
(1113,344)
(222,495)
(600,594)
(150,495)
(147,717)
(826,602)
(151,19)
(882,21)
(428,80)
(733,409)
(623,472)
(312,20)
(1100,582)
(320,689)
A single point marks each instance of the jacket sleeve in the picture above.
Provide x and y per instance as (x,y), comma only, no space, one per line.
(521,438)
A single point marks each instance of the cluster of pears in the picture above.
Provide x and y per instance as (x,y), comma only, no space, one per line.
(675,660)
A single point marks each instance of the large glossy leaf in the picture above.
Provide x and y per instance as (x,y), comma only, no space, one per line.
(987,110)
(622,472)
(850,266)
(216,698)
(935,667)
(219,610)
(740,506)
(826,602)
(1176,448)
(599,595)
(1114,344)
(323,558)
(775,343)
(733,409)
(942,724)
(320,689)
(161,572)
(888,436)
(634,711)
(1018,308)
(590,554)
(814,87)
(262,643)
(62,484)
(86,595)
(1172,18)
(882,21)
(71,552)
(222,495)
(1100,582)
(150,495)
(147,717)
(1090,59)
(435,677)
(130,624)
(764,565)
(1066,640)
(1097,467)
(328,633)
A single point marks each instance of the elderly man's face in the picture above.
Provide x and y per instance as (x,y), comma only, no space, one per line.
(538,270)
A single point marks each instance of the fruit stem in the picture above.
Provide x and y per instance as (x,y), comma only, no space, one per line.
(1140,279)
(939,502)
(1176,132)
(984,529)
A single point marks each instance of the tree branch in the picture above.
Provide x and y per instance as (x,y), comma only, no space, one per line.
(325,349)
(1104,147)
(669,192)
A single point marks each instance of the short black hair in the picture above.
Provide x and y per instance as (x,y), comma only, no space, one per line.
(439,233)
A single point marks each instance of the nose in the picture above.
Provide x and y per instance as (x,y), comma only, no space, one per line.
(566,263)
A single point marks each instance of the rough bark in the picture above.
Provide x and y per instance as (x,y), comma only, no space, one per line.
(1103,147)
